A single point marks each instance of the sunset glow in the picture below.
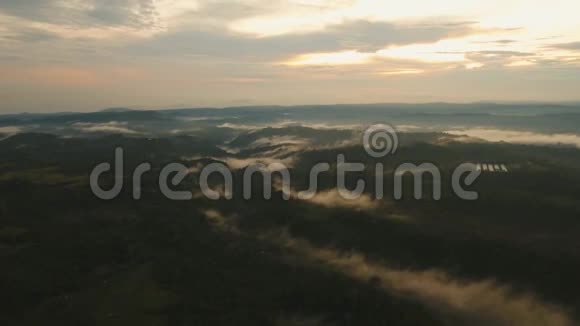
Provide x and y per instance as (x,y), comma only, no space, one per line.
(184,47)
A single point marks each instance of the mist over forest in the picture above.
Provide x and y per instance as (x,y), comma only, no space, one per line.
(508,258)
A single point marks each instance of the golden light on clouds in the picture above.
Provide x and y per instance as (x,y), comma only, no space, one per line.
(497,47)
(536,16)
(430,53)
(336,58)
(521,63)
(402,72)
(215,45)
(523,24)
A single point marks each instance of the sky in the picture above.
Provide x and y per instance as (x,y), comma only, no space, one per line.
(73,55)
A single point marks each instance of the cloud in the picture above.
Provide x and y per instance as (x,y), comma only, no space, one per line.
(409,128)
(223,10)
(517,137)
(332,199)
(292,123)
(200,118)
(223,53)
(472,302)
(403,72)
(107,127)
(213,214)
(567,46)
(350,35)
(501,53)
(499,42)
(483,302)
(242,163)
(220,221)
(501,58)
(27,34)
(10,130)
(369,36)
(279,140)
(455,47)
(325,126)
(134,13)
(239,126)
